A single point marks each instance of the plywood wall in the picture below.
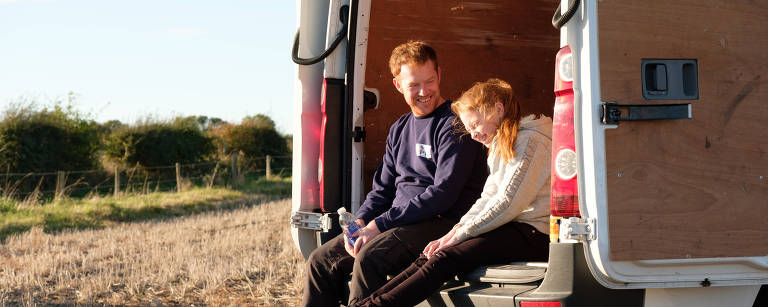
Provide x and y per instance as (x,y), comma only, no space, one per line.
(688,188)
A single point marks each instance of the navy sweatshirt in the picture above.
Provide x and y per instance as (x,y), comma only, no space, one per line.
(428,169)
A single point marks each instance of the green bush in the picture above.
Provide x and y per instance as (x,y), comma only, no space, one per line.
(255,142)
(154,143)
(46,139)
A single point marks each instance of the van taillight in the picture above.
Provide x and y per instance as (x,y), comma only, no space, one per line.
(329,165)
(539,304)
(321,158)
(564,192)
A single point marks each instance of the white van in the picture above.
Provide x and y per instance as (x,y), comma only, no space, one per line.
(660,138)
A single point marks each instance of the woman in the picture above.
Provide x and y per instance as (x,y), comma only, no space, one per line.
(510,220)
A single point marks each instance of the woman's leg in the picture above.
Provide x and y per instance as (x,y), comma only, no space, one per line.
(511,242)
(413,285)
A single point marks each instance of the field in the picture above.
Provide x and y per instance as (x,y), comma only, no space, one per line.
(235,256)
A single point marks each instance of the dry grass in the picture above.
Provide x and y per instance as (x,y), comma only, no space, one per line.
(245,256)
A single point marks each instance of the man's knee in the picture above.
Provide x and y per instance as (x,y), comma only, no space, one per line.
(327,258)
(376,250)
(319,254)
(315,260)
(365,260)
(385,256)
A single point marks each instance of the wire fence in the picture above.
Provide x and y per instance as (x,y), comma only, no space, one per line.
(142,179)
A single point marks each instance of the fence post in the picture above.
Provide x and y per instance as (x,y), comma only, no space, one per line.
(234,167)
(213,176)
(178,177)
(269,169)
(117,181)
(60,181)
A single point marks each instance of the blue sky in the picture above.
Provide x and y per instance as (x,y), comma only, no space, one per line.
(126,60)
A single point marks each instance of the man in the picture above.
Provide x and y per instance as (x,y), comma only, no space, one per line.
(429,177)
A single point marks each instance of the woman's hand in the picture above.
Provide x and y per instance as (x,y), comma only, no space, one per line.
(430,247)
(450,242)
(445,241)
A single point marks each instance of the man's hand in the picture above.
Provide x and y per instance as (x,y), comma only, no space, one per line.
(350,249)
(365,235)
(445,241)
(347,245)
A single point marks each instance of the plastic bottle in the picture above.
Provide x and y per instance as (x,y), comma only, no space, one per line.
(348,224)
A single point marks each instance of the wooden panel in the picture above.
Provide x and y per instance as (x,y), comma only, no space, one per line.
(688,188)
(511,40)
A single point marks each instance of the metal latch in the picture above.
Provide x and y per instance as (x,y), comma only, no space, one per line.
(612,113)
(576,228)
(311,220)
(358,134)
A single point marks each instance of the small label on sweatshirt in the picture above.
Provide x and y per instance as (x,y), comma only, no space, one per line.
(424,151)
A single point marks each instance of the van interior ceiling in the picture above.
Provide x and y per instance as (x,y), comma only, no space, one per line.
(510,40)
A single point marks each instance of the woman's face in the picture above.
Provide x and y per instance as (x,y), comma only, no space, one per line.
(482,126)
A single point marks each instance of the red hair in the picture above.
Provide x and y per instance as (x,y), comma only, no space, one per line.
(482,98)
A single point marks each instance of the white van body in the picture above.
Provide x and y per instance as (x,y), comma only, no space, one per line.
(709,258)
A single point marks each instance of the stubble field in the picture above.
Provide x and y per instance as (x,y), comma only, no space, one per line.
(237,257)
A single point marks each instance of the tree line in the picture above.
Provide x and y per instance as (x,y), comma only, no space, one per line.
(59,138)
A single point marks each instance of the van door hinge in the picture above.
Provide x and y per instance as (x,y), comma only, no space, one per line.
(612,113)
(579,229)
(358,134)
(311,220)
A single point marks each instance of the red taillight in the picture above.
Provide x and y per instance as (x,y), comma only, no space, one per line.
(321,158)
(564,192)
(539,304)
(329,167)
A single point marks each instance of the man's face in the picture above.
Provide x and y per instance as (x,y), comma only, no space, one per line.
(420,85)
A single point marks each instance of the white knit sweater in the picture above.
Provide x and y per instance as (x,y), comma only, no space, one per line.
(517,189)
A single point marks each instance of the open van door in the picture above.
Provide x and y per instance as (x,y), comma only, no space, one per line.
(671,119)
(329,103)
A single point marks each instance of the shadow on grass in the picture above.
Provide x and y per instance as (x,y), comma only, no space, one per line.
(56,223)
(268,187)
(116,213)
(13,228)
(253,194)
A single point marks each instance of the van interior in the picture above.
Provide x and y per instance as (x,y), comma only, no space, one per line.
(475,41)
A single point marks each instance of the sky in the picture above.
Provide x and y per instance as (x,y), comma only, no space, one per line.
(127,60)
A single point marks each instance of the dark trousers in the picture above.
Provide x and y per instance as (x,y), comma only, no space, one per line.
(510,242)
(329,266)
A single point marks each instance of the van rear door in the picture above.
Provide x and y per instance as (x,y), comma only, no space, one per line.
(328,148)
(672,133)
